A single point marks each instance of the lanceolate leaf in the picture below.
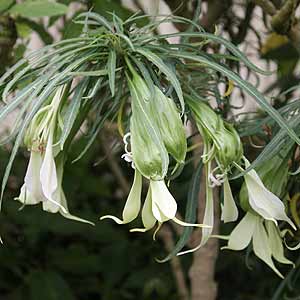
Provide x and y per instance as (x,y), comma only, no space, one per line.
(156,60)
(72,112)
(215,38)
(111,69)
(273,148)
(246,86)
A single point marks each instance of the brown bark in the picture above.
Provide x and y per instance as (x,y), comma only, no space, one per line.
(215,10)
(166,235)
(202,272)
(283,19)
(267,6)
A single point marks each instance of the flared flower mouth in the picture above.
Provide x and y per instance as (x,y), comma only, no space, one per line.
(43,179)
(43,184)
(133,203)
(159,206)
(265,237)
(262,201)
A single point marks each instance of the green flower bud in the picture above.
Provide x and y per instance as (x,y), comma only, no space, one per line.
(164,113)
(217,134)
(228,144)
(148,150)
(168,120)
(147,155)
(206,119)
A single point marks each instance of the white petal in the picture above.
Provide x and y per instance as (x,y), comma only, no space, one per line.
(26,197)
(51,206)
(275,243)
(229,211)
(241,235)
(32,177)
(147,215)
(49,181)
(208,218)
(261,246)
(164,206)
(48,175)
(265,203)
(182,223)
(133,203)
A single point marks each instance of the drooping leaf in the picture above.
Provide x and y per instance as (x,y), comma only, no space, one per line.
(111,69)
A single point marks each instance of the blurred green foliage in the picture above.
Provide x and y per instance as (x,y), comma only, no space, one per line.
(47,257)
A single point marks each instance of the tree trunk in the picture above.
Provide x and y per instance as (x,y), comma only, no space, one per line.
(202,271)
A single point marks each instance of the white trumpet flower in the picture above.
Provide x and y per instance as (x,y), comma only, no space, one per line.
(36,182)
(159,206)
(43,179)
(133,203)
(229,209)
(164,206)
(262,201)
(265,236)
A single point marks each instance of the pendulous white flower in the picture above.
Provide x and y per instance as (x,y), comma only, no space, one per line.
(32,191)
(229,209)
(43,179)
(262,201)
(133,203)
(159,207)
(265,237)
(156,130)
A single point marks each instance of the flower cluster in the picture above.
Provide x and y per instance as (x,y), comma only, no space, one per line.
(156,130)
(43,179)
(263,208)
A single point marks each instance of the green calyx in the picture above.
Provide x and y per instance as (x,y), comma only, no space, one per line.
(229,145)
(217,134)
(46,120)
(171,128)
(156,129)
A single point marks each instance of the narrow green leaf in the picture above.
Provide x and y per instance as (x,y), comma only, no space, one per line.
(52,64)
(95,89)
(5,4)
(171,76)
(127,40)
(19,98)
(98,18)
(111,69)
(72,112)
(246,86)
(230,47)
